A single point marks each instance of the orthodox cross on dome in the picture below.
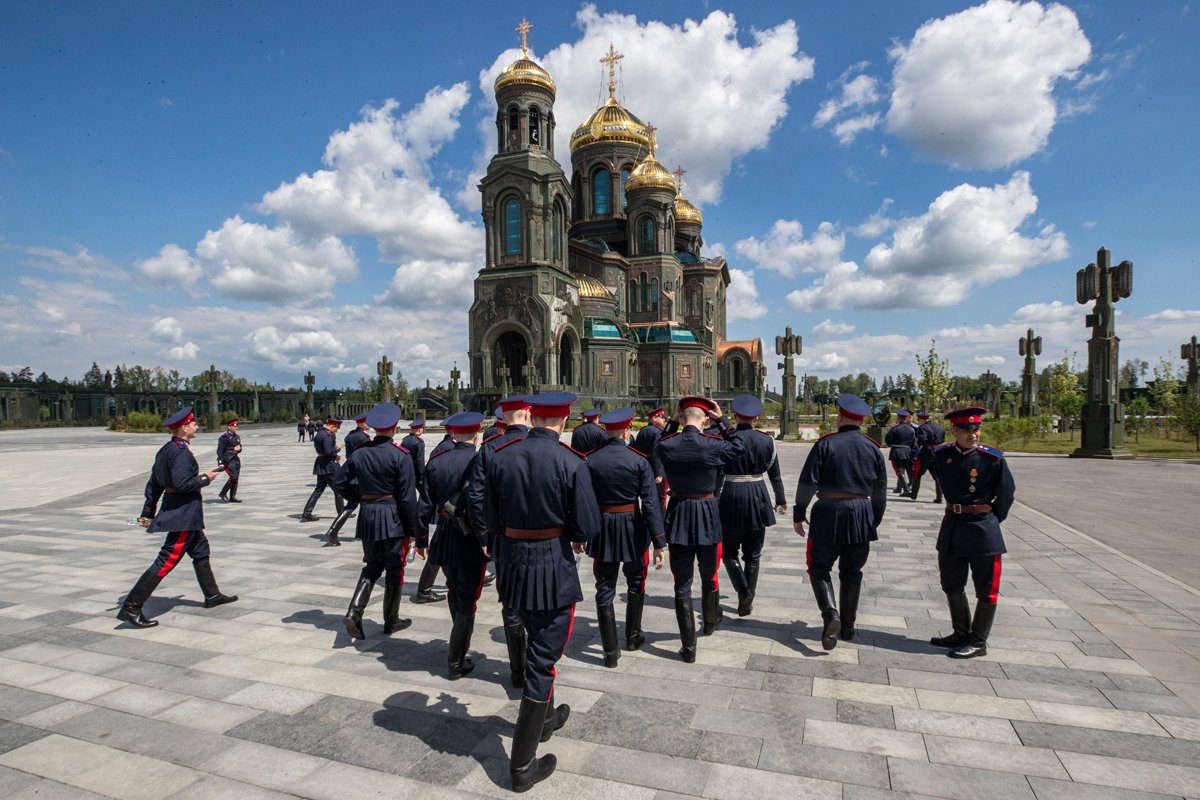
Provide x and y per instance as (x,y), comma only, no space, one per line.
(652,132)
(679,173)
(524,28)
(611,59)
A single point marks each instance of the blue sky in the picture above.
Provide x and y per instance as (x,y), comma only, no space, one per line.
(281,187)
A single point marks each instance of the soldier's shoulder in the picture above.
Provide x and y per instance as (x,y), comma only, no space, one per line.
(991,451)
(505,445)
(942,447)
(872,441)
(576,452)
(438,454)
(666,437)
(635,451)
(180,444)
(764,433)
(826,435)
(712,436)
(401,447)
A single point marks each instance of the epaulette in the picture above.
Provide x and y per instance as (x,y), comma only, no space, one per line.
(401,447)
(182,444)
(666,436)
(991,451)
(942,447)
(711,435)
(639,452)
(498,448)
(872,441)
(573,450)
(440,452)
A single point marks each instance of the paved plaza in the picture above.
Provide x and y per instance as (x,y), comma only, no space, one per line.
(1091,688)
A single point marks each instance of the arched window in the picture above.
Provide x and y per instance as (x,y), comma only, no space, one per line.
(576,198)
(633,296)
(514,123)
(654,294)
(624,178)
(535,127)
(600,192)
(512,227)
(646,235)
(736,365)
(556,233)
(645,300)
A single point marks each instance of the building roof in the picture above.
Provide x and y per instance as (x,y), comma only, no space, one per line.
(590,287)
(751,346)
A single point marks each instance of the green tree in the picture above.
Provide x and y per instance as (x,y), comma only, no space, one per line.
(1131,372)
(1188,416)
(935,378)
(119,382)
(24,375)
(1165,390)
(1137,417)
(1066,392)
(93,378)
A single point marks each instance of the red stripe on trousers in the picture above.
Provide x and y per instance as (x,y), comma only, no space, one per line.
(808,556)
(176,554)
(553,671)
(645,568)
(479,589)
(716,584)
(994,594)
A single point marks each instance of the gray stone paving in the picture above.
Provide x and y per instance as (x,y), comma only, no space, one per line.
(1091,688)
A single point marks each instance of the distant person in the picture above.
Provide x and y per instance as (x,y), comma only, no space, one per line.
(588,436)
(302,427)
(325,466)
(901,440)
(229,455)
(414,443)
(355,439)
(930,436)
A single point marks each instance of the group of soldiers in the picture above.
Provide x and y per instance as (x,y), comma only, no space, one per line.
(910,449)
(689,490)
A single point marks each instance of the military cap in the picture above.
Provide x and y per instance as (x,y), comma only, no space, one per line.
(618,419)
(658,412)
(969,417)
(336,421)
(232,423)
(903,413)
(514,403)
(853,406)
(384,416)
(747,405)
(180,418)
(922,415)
(499,414)
(419,422)
(551,404)
(463,422)
(702,403)
(591,413)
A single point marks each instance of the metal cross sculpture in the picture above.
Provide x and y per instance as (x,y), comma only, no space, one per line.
(1030,347)
(212,377)
(788,345)
(383,368)
(309,381)
(1103,420)
(1190,352)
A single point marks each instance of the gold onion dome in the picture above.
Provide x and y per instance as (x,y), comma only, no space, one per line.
(685,211)
(611,123)
(649,174)
(590,287)
(525,70)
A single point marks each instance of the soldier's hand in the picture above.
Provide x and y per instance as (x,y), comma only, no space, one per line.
(212,474)
(577,547)
(487,552)
(421,552)
(660,557)
(658,479)
(145,521)
(781,508)
(799,528)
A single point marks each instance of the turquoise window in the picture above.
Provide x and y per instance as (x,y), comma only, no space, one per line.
(600,192)
(512,227)
(624,178)
(646,231)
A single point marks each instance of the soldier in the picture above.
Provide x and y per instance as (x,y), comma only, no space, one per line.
(648,436)
(447,443)
(514,413)
(301,427)
(900,441)
(540,499)
(325,466)
(415,444)
(229,448)
(930,436)
(588,436)
(746,511)
(455,548)
(379,476)
(498,426)
(312,426)
(623,481)
(176,478)
(846,472)
(354,440)
(979,492)
(693,462)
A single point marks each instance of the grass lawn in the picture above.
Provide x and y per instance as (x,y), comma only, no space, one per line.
(1152,445)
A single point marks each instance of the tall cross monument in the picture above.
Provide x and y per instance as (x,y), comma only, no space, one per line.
(1103,419)
(788,345)
(1031,348)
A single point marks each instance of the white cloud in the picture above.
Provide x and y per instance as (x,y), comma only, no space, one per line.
(185,352)
(741,301)
(989,361)
(877,224)
(857,92)
(82,262)
(435,282)
(1174,315)
(976,88)
(173,266)
(1054,311)
(785,250)
(166,329)
(829,327)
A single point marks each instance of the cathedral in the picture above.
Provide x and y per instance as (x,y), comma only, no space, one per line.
(594,283)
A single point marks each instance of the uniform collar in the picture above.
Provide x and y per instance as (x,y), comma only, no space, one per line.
(745,426)
(543,433)
(845,428)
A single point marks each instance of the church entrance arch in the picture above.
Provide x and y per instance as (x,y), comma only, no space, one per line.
(511,350)
(567,354)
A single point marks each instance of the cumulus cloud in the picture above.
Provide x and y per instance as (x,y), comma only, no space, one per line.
(741,301)
(82,262)
(988,361)
(829,327)
(856,92)
(185,352)
(1174,315)
(173,266)
(785,250)
(1054,311)
(166,329)
(877,224)
(434,282)
(976,88)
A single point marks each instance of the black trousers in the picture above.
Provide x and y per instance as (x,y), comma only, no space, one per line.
(193,543)
(749,542)
(465,585)
(822,554)
(546,637)
(985,574)
(684,559)
(606,573)
(385,557)
(322,482)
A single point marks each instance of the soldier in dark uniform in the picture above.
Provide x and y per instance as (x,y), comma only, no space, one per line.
(453,545)
(177,480)
(588,436)
(447,443)
(540,499)
(693,462)
(325,466)
(979,493)
(514,413)
(312,426)
(229,448)
(930,436)
(746,510)
(631,517)
(901,440)
(846,472)
(301,427)
(379,476)
(354,440)
(647,440)
(498,426)
(414,443)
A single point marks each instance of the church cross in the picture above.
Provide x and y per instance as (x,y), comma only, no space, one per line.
(611,59)
(523,29)
(679,173)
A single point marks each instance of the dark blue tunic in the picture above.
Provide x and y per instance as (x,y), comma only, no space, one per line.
(175,478)
(623,476)
(445,477)
(587,437)
(477,485)
(930,435)
(647,438)
(416,446)
(381,468)
(447,443)
(977,477)
(356,439)
(533,483)
(226,454)
(745,503)
(847,462)
(693,462)
(325,444)
(901,439)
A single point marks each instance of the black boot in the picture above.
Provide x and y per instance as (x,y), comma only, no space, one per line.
(751,570)
(634,603)
(960,619)
(555,718)
(525,768)
(309,505)
(685,615)
(514,637)
(208,585)
(425,592)
(981,627)
(938,488)
(829,613)
(606,618)
(710,609)
(224,495)
(392,620)
(737,579)
(458,662)
(358,604)
(916,487)
(131,609)
(233,491)
(489,577)
(339,504)
(334,529)
(848,600)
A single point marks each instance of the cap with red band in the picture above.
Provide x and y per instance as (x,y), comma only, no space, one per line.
(463,422)
(180,418)
(617,420)
(853,407)
(551,404)
(971,415)
(702,403)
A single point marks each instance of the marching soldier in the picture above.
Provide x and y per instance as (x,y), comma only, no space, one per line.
(312,426)
(900,441)
(354,440)
(588,436)
(176,479)
(540,499)
(229,448)
(846,472)
(498,426)
(325,466)
(930,436)
(301,427)
(631,517)
(693,462)
(414,443)
(455,548)
(979,493)
(746,510)
(379,476)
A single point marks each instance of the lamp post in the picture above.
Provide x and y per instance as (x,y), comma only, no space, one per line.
(1103,420)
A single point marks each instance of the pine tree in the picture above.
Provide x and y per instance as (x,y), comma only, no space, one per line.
(93,378)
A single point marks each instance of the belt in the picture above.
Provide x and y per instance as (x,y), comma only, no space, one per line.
(958,508)
(376,496)
(536,534)
(443,513)
(619,508)
(700,496)
(743,478)
(830,495)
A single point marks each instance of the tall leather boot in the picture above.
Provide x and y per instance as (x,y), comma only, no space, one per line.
(131,609)
(524,767)
(233,491)
(309,505)
(339,503)
(710,609)
(358,604)
(606,618)
(981,627)
(514,637)
(916,487)
(425,592)
(829,613)
(737,579)
(555,718)
(685,615)
(634,603)
(960,618)
(224,495)
(848,600)
(458,662)
(208,585)
(392,621)
(751,570)
(937,485)
(336,526)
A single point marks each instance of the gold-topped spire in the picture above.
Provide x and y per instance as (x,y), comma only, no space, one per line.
(611,59)
(524,28)
(679,173)
(524,71)
(652,129)
(684,210)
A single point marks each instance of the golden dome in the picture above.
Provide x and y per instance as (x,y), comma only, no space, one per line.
(685,211)
(525,71)
(611,123)
(650,174)
(590,287)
